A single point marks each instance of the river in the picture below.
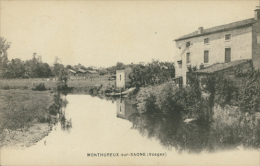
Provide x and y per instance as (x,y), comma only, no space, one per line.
(101,126)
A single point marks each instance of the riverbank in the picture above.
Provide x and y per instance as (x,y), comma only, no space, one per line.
(25,117)
(22,139)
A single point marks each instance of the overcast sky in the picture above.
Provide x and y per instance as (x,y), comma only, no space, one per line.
(99,33)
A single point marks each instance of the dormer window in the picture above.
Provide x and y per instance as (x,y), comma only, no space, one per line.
(187,44)
(227,36)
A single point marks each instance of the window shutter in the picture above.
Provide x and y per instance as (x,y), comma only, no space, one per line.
(227,54)
(206,56)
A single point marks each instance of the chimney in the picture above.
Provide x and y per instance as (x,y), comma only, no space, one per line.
(200,30)
(257,14)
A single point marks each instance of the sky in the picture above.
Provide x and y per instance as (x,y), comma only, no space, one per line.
(102,33)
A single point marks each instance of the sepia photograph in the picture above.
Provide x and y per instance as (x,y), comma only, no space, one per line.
(130,82)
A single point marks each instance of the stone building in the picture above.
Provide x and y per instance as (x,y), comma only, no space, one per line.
(221,44)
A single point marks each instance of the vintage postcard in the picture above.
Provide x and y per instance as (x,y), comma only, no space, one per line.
(129,82)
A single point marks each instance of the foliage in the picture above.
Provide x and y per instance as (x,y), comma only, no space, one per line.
(242,90)
(6,87)
(119,65)
(233,127)
(59,102)
(19,109)
(151,73)
(62,80)
(172,101)
(248,97)
(33,68)
(40,86)
(112,69)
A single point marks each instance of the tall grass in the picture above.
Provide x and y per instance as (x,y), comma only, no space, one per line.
(50,84)
(19,109)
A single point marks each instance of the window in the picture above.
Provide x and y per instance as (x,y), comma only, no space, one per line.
(227,36)
(206,41)
(206,56)
(187,44)
(188,57)
(258,38)
(227,54)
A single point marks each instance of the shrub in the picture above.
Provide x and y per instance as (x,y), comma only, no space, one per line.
(147,100)
(6,87)
(61,86)
(249,95)
(38,86)
(233,127)
(167,100)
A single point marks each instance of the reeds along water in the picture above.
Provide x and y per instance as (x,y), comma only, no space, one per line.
(229,130)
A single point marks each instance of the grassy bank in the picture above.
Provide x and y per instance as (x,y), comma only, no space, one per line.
(25,116)
(50,84)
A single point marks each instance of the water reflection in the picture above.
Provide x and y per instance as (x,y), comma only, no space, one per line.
(124,108)
(65,123)
(100,127)
(172,132)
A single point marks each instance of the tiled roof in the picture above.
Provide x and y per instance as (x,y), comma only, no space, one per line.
(92,71)
(220,66)
(81,70)
(219,28)
(72,71)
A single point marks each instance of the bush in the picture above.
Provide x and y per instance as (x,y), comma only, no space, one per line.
(38,86)
(249,95)
(6,87)
(147,100)
(61,86)
(167,100)
(233,127)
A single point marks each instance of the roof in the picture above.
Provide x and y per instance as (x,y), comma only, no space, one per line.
(81,70)
(220,28)
(92,71)
(220,66)
(72,71)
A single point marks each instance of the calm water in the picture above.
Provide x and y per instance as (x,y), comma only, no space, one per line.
(106,126)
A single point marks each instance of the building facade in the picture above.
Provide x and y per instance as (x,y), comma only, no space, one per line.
(221,44)
(122,78)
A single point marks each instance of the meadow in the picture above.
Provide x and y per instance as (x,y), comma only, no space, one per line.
(20,109)
(52,83)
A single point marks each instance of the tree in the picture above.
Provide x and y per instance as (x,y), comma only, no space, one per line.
(68,67)
(4,46)
(16,67)
(151,73)
(119,65)
(62,79)
(112,69)
(57,67)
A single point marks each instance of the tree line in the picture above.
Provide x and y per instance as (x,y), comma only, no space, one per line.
(154,72)
(32,68)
